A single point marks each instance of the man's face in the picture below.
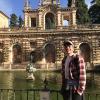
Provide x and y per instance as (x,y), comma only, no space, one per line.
(69,49)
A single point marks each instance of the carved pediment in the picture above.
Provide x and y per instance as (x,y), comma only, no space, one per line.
(48,8)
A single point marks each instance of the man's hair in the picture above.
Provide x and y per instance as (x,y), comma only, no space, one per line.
(67,43)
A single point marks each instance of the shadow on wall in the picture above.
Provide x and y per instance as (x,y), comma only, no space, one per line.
(36,56)
(97,68)
(86,50)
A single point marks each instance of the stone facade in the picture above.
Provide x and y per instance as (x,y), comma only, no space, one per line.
(41,40)
(18,47)
(4,20)
(49,13)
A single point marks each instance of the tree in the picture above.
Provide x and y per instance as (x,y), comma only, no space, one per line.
(82,12)
(82,15)
(94,13)
(13,20)
(20,21)
(69,3)
(95,2)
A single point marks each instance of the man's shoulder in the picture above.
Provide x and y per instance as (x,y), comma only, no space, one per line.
(75,59)
(76,56)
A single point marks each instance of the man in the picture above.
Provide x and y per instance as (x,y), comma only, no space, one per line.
(73,74)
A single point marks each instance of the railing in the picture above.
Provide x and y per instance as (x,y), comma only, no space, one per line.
(29,29)
(92,96)
(34,94)
(29,94)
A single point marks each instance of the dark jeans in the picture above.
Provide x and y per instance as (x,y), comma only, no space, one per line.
(74,96)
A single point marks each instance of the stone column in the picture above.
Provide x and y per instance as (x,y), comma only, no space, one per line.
(26,23)
(40,20)
(29,18)
(74,17)
(59,19)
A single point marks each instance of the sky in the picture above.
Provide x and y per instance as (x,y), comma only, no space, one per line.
(16,6)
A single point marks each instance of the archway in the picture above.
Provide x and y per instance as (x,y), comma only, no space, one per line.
(33,56)
(49,21)
(36,56)
(17,54)
(66,21)
(1,57)
(50,54)
(86,51)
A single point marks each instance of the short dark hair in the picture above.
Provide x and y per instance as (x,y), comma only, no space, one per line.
(67,43)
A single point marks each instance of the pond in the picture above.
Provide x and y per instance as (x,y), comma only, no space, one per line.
(17,80)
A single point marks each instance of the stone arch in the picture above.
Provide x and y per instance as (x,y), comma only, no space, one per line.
(50,54)
(66,21)
(1,57)
(49,20)
(33,56)
(36,56)
(86,51)
(17,53)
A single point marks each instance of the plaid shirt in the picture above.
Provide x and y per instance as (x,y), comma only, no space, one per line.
(78,72)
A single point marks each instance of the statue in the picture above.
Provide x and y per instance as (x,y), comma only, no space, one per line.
(30,69)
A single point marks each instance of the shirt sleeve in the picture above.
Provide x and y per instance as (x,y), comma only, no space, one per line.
(82,76)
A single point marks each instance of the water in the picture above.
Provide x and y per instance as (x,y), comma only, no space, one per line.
(17,80)
(93,82)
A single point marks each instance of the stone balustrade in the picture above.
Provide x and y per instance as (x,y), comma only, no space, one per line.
(29,29)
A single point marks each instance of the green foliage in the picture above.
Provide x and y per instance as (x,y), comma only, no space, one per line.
(95,2)
(13,20)
(20,22)
(69,3)
(50,23)
(94,13)
(82,12)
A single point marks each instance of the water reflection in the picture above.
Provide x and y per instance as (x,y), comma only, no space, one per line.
(93,82)
(97,80)
(17,80)
(6,80)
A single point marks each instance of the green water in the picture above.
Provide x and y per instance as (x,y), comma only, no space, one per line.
(17,80)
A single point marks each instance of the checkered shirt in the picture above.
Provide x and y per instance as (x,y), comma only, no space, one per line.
(78,73)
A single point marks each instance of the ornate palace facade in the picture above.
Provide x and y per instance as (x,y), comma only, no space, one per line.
(40,40)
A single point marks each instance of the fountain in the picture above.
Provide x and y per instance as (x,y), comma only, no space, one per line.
(30,69)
